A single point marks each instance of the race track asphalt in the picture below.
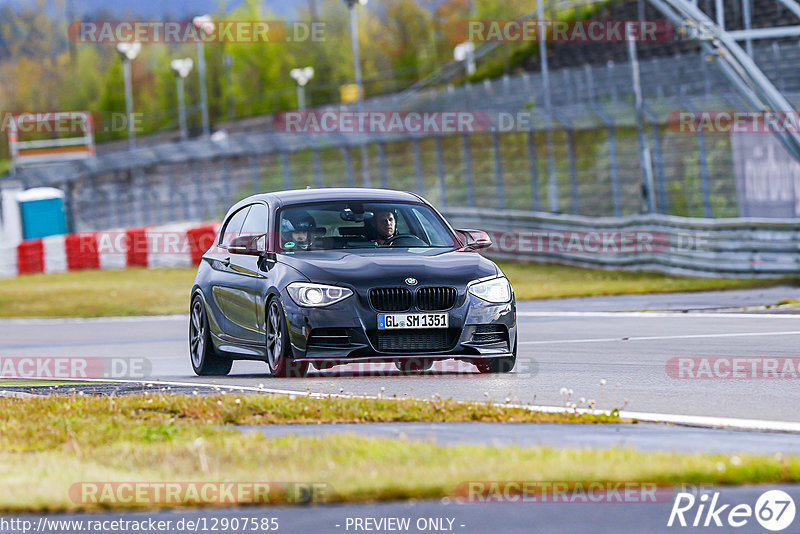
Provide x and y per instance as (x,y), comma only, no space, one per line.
(565,343)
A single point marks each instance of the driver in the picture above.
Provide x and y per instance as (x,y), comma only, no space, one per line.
(297,228)
(384,223)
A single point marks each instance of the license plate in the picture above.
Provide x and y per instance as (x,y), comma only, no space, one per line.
(394,321)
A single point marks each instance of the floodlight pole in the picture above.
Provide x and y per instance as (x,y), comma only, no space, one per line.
(181,68)
(302,77)
(181,109)
(126,72)
(351,4)
(645,156)
(201,73)
(128,52)
(201,23)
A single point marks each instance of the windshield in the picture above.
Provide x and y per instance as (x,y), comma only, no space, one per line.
(361,225)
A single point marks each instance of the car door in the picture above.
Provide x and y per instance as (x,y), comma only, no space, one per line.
(230,284)
(248,280)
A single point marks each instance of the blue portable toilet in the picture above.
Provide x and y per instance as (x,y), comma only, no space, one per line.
(42,212)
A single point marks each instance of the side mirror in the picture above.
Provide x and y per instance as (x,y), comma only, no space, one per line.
(475,239)
(252,245)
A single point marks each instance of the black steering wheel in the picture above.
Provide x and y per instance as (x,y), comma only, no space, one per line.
(404,240)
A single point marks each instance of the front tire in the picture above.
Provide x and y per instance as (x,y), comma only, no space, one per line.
(279,350)
(205,360)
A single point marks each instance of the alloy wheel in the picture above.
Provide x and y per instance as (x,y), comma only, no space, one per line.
(197,334)
(274,335)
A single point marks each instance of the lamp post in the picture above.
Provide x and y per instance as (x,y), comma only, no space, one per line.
(302,77)
(351,4)
(181,68)
(205,24)
(128,52)
(465,53)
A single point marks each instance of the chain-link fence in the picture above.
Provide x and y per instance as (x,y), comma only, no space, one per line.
(582,157)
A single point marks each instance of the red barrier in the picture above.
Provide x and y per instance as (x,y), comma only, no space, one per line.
(30,257)
(81,252)
(137,247)
(200,240)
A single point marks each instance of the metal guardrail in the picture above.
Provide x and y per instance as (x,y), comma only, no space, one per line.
(716,248)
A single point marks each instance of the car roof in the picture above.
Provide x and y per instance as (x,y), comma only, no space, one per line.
(299,196)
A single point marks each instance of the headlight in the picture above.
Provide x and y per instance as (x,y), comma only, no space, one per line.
(497,290)
(316,295)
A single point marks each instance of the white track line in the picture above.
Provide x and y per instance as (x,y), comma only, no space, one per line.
(652,338)
(659,315)
(686,420)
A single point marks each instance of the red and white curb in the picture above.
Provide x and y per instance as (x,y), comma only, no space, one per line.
(174,245)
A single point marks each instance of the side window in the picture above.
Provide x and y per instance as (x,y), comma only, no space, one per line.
(256,221)
(434,232)
(402,226)
(256,225)
(233,226)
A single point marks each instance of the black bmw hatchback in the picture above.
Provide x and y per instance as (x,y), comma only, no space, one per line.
(334,276)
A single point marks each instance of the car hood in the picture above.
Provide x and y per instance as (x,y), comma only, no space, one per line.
(377,268)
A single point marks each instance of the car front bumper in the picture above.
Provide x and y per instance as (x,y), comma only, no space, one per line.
(352,325)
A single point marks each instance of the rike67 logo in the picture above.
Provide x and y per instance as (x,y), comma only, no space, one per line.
(774,510)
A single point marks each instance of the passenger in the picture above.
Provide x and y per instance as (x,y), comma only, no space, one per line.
(298,228)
